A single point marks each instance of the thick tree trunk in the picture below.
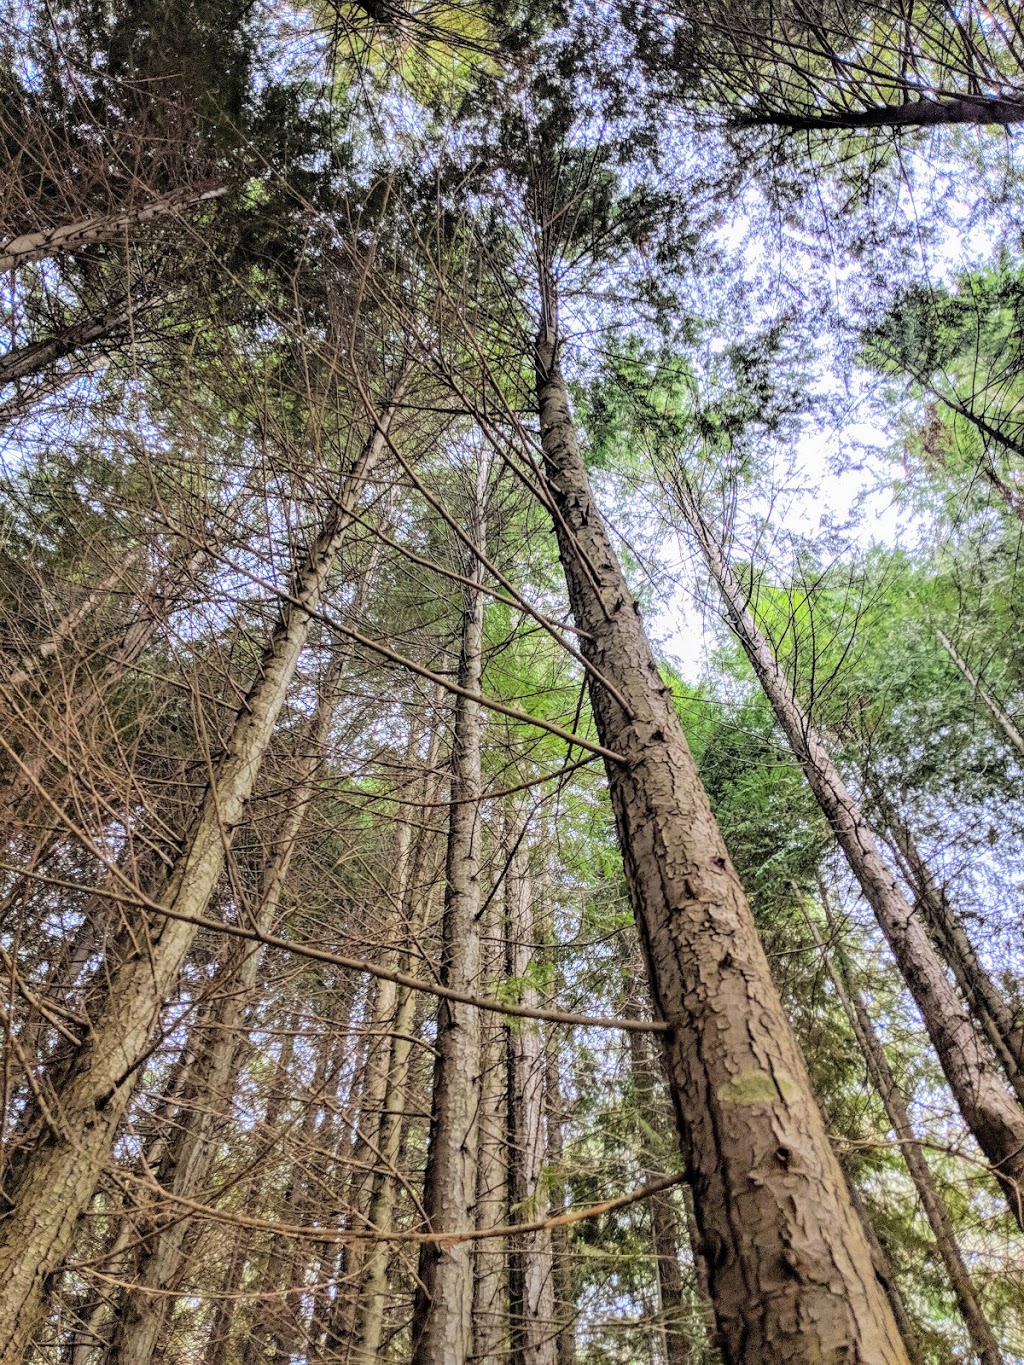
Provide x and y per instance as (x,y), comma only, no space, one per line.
(978,1329)
(531,1286)
(989,1109)
(791,1273)
(56,1179)
(443,1310)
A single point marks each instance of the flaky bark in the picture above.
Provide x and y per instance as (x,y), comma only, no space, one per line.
(790,1270)
(978,1329)
(443,1309)
(22,250)
(531,1285)
(56,1179)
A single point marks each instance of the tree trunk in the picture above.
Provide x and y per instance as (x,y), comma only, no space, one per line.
(56,1180)
(978,1329)
(373,1296)
(561,1263)
(1002,719)
(979,990)
(531,1286)
(443,1309)
(988,1108)
(36,246)
(791,1273)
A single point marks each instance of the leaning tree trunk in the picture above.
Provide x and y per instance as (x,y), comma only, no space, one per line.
(998,713)
(791,1273)
(978,1329)
(988,1108)
(443,1309)
(57,1177)
(147,1307)
(530,1280)
(987,1002)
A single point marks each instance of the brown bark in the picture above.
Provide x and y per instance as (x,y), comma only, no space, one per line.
(987,1002)
(988,1108)
(35,357)
(790,1270)
(531,1283)
(443,1309)
(56,1179)
(917,113)
(564,1301)
(982,1339)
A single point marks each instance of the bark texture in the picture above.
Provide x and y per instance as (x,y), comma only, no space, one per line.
(57,1176)
(443,1310)
(982,1339)
(789,1267)
(989,1109)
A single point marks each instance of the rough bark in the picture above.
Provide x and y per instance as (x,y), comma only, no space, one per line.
(790,1270)
(989,1109)
(443,1308)
(194,1143)
(57,1177)
(987,1002)
(531,1286)
(981,1336)
(27,247)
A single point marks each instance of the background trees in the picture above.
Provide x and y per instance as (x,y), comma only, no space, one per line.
(372,376)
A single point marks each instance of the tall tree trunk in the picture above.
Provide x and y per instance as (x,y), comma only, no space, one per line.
(443,1309)
(987,1002)
(561,1259)
(417,903)
(531,1285)
(57,1178)
(981,1336)
(36,357)
(1003,720)
(989,1109)
(146,1308)
(791,1273)
(673,1304)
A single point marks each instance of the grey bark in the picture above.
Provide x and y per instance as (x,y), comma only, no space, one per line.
(978,1328)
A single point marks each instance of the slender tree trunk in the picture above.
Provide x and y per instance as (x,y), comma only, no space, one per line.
(57,1179)
(981,1336)
(1000,716)
(36,357)
(490,1298)
(36,246)
(791,1272)
(531,1284)
(561,1262)
(989,1109)
(673,1305)
(373,1295)
(195,1145)
(443,1308)
(987,1003)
